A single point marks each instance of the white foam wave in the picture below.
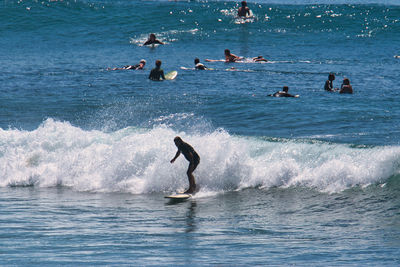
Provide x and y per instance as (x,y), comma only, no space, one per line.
(137,161)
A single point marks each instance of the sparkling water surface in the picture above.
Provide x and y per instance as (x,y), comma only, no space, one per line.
(85,151)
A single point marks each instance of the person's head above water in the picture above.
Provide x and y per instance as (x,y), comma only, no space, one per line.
(331,76)
(346,81)
(244,3)
(142,61)
(227,52)
(196,60)
(158,63)
(152,36)
(285,89)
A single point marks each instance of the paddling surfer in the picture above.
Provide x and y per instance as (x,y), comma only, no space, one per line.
(139,66)
(152,40)
(283,93)
(198,65)
(193,158)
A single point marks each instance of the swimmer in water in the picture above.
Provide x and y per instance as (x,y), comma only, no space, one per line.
(329,83)
(152,40)
(283,93)
(346,88)
(244,10)
(157,74)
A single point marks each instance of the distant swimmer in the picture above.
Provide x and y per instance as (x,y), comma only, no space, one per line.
(283,93)
(198,65)
(259,59)
(193,158)
(139,66)
(346,88)
(157,74)
(396,56)
(329,83)
(244,10)
(152,40)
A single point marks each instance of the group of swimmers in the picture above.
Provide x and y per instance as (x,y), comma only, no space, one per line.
(346,88)
(157,73)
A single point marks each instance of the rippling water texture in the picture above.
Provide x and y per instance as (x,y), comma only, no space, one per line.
(84,150)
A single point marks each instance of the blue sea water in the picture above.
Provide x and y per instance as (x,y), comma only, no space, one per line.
(85,150)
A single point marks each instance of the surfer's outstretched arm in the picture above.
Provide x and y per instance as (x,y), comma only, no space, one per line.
(214,60)
(176,156)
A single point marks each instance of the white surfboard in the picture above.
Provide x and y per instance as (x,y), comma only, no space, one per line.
(171,75)
(179,196)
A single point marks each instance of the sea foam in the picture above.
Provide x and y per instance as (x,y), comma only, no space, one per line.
(137,161)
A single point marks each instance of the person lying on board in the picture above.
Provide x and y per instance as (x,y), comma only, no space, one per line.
(259,59)
(157,74)
(152,40)
(283,93)
(198,65)
(229,57)
(244,10)
(139,66)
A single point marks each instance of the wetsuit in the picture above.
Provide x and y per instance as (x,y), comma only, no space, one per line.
(186,149)
(200,66)
(156,74)
(243,11)
(149,42)
(132,67)
(282,94)
(329,85)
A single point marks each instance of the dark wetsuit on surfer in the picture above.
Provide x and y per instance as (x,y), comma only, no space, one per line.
(244,10)
(193,158)
(152,40)
(157,74)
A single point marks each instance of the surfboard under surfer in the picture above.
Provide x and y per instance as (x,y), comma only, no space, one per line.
(193,158)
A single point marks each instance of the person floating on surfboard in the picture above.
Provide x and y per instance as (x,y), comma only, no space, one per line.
(139,66)
(229,57)
(152,40)
(259,59)
(157,73)
(198,65)
(193,158)
(283,93)
(244,10)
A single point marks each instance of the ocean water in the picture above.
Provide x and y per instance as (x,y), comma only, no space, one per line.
(85,150)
